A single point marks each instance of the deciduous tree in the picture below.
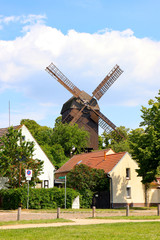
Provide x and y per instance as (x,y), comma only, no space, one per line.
(145,143)
(16,155)
(83,178)
(58,142)
(115,141)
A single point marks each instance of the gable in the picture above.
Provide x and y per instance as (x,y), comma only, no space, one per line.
(38,152)
(126,162)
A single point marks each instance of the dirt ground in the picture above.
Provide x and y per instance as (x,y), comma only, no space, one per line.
(32,215)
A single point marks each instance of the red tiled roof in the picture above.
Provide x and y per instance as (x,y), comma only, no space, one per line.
(4,130)
(94,160)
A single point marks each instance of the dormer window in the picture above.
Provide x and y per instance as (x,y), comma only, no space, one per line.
(128,173)
(79,162)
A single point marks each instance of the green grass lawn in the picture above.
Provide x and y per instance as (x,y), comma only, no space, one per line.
(117,231)
(129,217)
(34,221)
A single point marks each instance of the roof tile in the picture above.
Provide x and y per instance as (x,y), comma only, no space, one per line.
(95,159)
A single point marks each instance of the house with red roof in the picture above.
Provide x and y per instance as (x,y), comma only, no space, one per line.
(47,175)
(125,186)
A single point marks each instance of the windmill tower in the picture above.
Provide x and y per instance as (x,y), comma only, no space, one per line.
(82,108)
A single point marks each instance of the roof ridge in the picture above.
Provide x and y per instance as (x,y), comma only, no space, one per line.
(115,153)
(95,151)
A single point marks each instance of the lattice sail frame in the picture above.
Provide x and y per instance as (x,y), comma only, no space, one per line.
(107,82)
(104,122)
(61,78)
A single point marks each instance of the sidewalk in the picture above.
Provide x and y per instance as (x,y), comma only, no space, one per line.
(74,223)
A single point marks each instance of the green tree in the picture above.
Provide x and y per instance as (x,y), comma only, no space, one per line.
(56,154)
(115,141)
(58,142)
(83,178)
(42,134)
(31,125)
(70,136)
(16,155)
(145,144)
(100,142)
(58,121)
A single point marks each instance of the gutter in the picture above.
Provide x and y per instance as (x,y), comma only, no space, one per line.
(111,190)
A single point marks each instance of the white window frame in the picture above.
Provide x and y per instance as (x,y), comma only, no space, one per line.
(46,183)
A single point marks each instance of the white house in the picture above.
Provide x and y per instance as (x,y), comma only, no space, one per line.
(47,175)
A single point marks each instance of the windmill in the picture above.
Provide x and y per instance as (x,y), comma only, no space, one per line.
(82,108)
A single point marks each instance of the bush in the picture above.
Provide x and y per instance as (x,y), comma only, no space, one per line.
(86,199)
(38,198)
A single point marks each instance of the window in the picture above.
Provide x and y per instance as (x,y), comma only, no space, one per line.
(128,192)
(128,174)
(46,183)
(23,138)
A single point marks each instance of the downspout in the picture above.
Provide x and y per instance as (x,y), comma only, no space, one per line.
(111,190)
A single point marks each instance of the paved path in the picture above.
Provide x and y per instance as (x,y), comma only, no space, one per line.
(74,223)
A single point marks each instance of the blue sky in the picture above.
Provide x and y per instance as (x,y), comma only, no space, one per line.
(85,39)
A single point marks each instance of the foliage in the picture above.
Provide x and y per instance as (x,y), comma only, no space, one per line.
(115,141)
(100,142)
(82,177)
(16,155)
(58,142)
(42,134)
(56,154)
(86,198)
(145,144)
(86,181)
(70,136)
(38,198)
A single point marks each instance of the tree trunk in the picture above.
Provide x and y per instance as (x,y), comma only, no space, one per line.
(146,195)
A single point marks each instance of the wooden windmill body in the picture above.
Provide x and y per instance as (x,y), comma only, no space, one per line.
(82,108)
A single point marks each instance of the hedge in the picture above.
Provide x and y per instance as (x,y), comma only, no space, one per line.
(38,198)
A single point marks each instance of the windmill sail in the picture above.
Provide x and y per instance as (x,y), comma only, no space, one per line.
(105,123)
(83,108)
(107,82)
(61,78)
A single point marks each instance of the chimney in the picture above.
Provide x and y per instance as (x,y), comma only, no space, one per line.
(105,155)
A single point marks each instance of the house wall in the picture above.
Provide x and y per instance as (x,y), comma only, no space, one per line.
(153,196)
(120,183)
(48,168)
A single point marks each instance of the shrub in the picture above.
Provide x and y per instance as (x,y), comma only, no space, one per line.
(38,198)
(86,199)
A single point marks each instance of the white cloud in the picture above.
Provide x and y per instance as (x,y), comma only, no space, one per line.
(23,19)
(84,58)
(32,19)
